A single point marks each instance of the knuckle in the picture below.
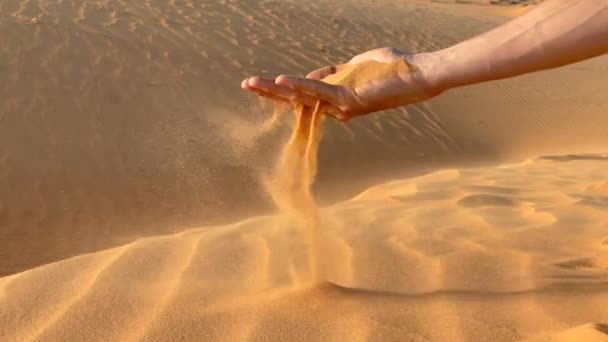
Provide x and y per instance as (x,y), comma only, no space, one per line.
(347,109)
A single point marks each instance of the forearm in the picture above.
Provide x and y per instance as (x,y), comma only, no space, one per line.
(555,33)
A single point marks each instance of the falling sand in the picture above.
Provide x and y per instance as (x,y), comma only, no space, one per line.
(295,172)
(297,166)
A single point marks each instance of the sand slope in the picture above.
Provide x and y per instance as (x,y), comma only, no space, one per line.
(124,119)
(498,253)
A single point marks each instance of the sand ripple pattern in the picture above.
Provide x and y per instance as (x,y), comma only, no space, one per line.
(121,119)
(501,253)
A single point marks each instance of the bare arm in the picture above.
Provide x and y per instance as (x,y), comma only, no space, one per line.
(555,33)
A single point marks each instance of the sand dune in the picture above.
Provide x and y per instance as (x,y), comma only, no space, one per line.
(124,119)
(123,131)
(495,253)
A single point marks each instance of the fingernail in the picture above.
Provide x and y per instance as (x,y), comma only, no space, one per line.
(280,79)
(253,80)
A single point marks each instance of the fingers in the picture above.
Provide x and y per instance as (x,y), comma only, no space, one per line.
(332,110)
(269,89)
(318,89)
(275,98)
(265,94)
(268,86)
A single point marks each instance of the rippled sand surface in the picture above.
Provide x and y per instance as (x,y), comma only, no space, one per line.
(495,253)
(123,131)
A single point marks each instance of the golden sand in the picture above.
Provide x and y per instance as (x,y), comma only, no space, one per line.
(366,72)
(294,173)
(297,166)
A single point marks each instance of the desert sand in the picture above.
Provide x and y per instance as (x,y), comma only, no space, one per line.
(133,203)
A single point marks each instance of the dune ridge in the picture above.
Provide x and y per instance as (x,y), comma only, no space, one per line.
(407,259)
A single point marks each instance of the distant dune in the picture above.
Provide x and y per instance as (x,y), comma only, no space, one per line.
(123,131)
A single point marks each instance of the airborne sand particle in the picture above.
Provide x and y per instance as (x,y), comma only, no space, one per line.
(296,168)
(294,173)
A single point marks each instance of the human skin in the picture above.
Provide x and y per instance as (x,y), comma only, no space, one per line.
(553,34)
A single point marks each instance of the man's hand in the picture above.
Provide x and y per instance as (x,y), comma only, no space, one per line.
(392,88)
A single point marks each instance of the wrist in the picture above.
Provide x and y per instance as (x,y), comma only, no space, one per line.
(427,69)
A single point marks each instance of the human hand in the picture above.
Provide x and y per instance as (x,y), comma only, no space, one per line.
(372,81)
